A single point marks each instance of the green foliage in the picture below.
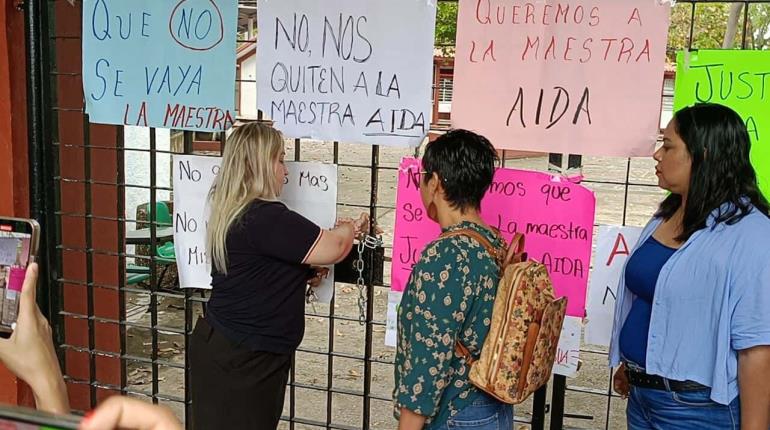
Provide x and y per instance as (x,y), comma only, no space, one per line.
(711,24)
(446,26)
(708,31)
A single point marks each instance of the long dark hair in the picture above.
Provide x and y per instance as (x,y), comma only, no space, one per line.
(719,146)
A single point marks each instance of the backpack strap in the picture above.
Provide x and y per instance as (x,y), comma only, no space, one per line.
(514,254)
(500,256)
(496,253)
(503,257)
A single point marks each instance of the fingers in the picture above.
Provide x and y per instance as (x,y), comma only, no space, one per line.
(128,413)
(28,301)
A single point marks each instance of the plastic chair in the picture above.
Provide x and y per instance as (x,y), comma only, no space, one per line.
(164,253)
(162,215)
(136,274)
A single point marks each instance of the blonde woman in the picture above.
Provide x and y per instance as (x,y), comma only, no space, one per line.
(262,256)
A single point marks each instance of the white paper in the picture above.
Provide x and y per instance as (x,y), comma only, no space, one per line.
(568,351)
(347,70)
(391,328)
(311,191)
(613,246)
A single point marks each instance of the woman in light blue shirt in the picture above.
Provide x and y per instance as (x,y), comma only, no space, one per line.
(692,322)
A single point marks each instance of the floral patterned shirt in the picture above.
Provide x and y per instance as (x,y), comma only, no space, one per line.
(450,296)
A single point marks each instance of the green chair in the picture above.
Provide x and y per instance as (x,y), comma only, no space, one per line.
(163,215)
(136,274)
(164,253)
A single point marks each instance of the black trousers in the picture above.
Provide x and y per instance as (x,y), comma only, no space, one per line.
(233,387)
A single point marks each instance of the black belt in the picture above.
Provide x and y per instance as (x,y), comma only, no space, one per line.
(655,382)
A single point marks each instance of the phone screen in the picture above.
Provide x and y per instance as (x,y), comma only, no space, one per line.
(18,418)
(16,248)
(6,424)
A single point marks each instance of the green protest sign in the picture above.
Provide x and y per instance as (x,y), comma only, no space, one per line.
(738,79)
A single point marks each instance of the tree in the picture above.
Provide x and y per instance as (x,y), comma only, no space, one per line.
(759,25)
(709,31)
(713,23)
(446,26)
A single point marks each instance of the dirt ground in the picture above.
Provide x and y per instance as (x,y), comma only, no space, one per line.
(590,405)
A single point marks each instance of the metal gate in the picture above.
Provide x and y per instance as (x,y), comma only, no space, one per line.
(122,328)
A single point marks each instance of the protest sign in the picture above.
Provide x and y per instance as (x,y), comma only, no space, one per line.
(738,79)
(613,247)
(310,190)
(168,64)
(576,76)
(347,70)
(556,216)
(568,351)
(391,325)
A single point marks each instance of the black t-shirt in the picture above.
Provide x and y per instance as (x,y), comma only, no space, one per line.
(260,302)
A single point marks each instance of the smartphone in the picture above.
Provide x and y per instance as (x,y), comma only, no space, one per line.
(18,418)
(19,240)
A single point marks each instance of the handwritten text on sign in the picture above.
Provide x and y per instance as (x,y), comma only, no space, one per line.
(168,64)
(739,79)
(556,216)
(350,70)
(568,351)
(310,190)
(613,247)
(577,76)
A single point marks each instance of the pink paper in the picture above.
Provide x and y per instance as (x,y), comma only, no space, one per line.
(598,63)
(556,216)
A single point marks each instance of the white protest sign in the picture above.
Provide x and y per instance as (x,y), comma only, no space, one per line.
(311,191)
(391,326)
(613,246)
(568,351)
(348,70)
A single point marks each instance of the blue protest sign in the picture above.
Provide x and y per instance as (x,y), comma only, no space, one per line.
(152,63)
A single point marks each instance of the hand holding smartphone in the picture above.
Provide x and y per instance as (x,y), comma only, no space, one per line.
(19,239)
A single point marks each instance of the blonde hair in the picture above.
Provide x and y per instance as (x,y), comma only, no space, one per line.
(247,173)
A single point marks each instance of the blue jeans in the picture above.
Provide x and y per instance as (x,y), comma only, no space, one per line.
(485,413)
(650,409)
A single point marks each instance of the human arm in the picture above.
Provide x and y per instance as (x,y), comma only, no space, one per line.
(29,352)
(335,244)
(280,233)
(753,377)
(119,412)
(410,420)
(750,333)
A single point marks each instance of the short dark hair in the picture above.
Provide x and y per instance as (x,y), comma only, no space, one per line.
(719,145)
(465,163)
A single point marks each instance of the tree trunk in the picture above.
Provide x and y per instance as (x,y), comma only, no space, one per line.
(732,25)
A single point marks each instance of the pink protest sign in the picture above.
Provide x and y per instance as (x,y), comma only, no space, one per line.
(556,216)
(574,76)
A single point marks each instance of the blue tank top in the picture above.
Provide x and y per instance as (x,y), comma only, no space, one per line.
(641,274)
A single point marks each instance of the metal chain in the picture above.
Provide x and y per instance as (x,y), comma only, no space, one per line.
(370,242)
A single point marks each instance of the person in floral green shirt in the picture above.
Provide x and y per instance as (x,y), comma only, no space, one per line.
(450,295)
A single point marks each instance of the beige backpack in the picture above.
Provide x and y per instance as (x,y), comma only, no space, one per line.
(519,351)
